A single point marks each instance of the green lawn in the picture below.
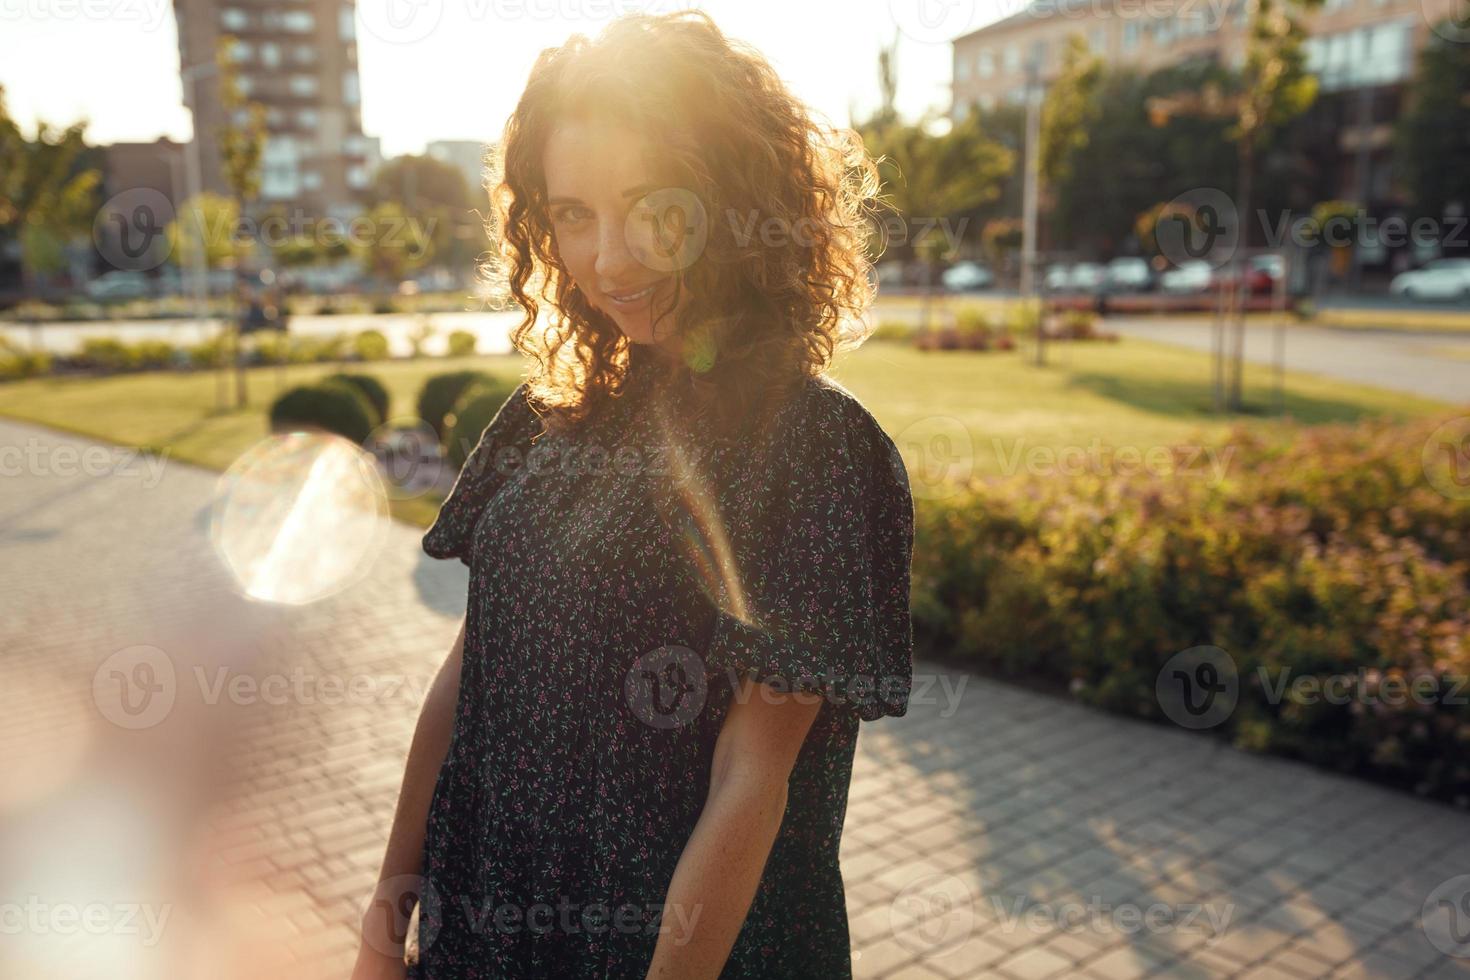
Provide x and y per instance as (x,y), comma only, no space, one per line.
(1131,393)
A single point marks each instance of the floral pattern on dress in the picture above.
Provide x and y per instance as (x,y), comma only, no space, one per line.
(623,578)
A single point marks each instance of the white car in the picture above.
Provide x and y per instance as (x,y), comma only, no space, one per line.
(119,284)
(1440,279)
(1088,277)
(1130,275)
(965,277)
(1191,277)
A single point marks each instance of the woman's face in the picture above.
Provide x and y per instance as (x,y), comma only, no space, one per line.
(597,179)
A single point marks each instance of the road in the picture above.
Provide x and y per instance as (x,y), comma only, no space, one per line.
(1435,365)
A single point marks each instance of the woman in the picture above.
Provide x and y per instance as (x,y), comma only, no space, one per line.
(688,551)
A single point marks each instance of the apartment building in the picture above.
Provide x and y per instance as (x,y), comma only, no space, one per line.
(297,58)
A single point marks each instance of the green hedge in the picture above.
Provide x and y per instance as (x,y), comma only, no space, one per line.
(329,405)
(1329,555)
(441,392)
(472,413)
(371,388)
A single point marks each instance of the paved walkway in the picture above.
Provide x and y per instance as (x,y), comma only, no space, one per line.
(1435,365)
(993,833)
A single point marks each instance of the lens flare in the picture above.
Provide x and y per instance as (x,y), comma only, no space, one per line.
(299,516)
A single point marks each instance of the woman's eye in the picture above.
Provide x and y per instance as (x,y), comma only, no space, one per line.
(569,213)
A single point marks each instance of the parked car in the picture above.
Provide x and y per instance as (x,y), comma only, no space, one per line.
(1058,278)
(964,277)
(1261,274)
(1190,277)
(1129,275)
(1439,279)
(1088,277)
(117,285)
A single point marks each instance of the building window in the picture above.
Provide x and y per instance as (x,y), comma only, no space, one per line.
(305,54)
(985,63)
(270,54)
(1097,40)
(298,22)
(357,176)
(346,24)
(350,93)
(311,180)
(240,52)
(962,68)
(1130,35)
(308,119)
(303,85)
(234,19)
(1012,59)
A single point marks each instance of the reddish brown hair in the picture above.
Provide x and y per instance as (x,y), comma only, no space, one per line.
(763,312)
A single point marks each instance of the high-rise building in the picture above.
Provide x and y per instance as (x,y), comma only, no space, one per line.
(1362,51)
(299,60)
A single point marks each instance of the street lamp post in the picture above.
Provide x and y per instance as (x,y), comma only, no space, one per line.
(192,180)
(1031,195)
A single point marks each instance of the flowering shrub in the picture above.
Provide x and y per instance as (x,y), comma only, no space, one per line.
(1325,555)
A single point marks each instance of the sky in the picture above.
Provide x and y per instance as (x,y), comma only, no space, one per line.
(453,69)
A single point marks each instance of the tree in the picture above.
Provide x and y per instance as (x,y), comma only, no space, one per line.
(1434,131)
(47,196)
(395,247)
(436,196)
(241,146)
(1069,111)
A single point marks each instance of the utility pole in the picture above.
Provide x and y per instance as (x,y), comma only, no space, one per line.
(1031,197)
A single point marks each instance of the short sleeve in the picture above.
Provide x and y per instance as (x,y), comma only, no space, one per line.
(500,450)
(820,530)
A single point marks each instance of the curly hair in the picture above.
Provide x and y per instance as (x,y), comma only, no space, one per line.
(763,311)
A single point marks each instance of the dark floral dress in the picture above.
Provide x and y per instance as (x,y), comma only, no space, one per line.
(622,579)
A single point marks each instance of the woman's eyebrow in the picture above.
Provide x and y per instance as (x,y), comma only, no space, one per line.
(638,191)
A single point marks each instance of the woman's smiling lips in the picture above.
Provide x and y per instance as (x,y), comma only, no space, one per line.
(628,300)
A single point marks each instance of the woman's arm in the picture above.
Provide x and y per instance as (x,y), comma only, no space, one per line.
(720,869)
(380,955)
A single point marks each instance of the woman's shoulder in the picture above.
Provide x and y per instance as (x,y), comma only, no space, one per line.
(823,423)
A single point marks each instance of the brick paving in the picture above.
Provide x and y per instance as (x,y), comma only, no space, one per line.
(990,832)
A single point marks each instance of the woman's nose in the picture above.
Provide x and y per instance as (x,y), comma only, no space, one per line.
(616,263)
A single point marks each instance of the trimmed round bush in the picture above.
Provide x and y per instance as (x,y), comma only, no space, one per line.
(440,394)
(330,405)
(461,343)
(371,345)
(372,389)
(472,413)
